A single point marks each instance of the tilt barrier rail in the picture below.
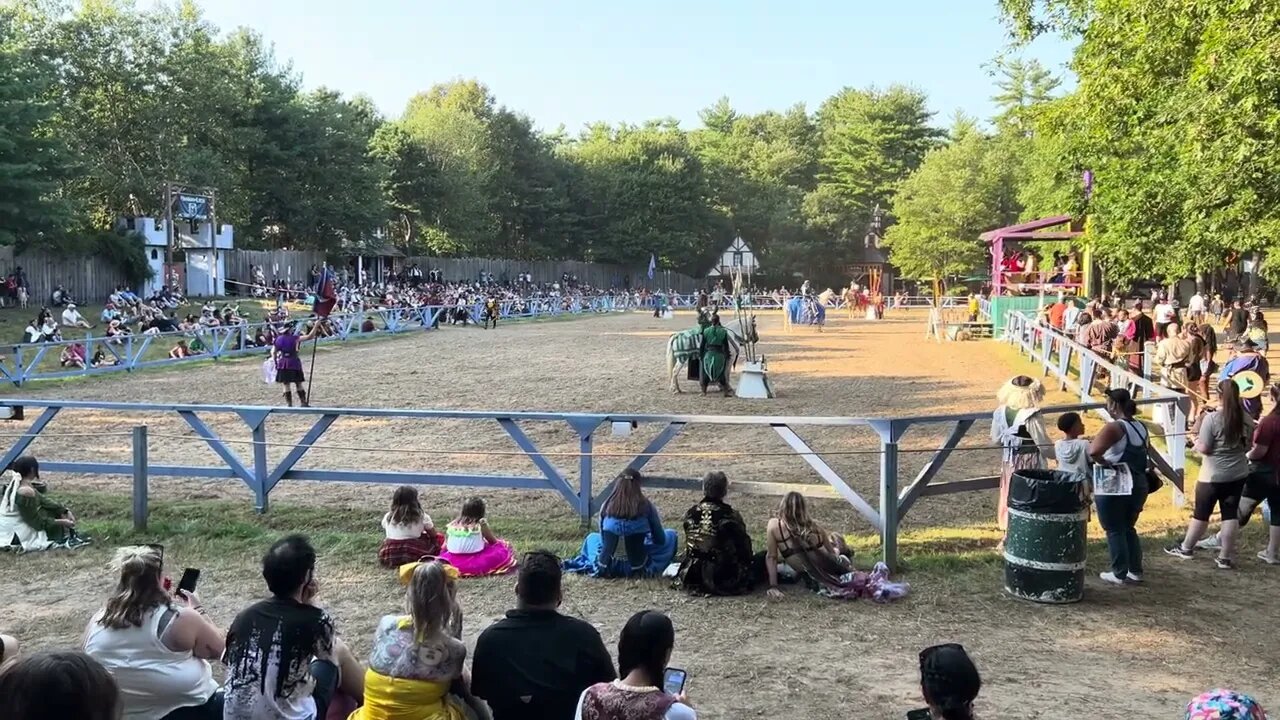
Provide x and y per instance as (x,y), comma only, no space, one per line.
(252,467)
(1055,352)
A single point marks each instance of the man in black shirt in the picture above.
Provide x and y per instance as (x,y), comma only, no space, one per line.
(533,664)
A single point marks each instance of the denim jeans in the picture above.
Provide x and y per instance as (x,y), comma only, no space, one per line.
(326,677)
(1118,515)
(637,554)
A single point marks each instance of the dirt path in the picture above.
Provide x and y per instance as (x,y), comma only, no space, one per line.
(1133,652)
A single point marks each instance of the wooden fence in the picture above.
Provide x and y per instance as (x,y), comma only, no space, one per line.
(601,275)
(289,265)
(88,278)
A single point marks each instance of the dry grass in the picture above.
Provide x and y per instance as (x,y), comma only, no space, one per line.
(1124,652)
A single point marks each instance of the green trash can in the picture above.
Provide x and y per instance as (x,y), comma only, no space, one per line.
(1044,549)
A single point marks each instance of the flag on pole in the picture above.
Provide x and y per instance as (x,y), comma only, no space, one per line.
(325,295)
(653,265)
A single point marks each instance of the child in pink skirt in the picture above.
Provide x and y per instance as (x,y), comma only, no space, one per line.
(471,546)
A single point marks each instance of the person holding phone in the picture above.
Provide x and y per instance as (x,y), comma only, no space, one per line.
(284,657)
(644,650)
(157,646)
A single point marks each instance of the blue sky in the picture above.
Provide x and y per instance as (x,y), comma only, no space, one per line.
(574,61)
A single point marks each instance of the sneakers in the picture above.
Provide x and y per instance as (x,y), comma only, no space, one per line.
(1179,552)
(1224,563)
(1133,577)
(1213,542)
(1110,577)
(1264,557)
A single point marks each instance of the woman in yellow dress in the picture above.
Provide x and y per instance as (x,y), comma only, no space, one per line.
(416,667)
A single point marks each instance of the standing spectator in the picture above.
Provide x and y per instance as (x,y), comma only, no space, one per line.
(1216,307)
(1098,333)
(58,686)
(20,277)
(1058,314)
(1144,330)
(949,682)
(1122,441)
(156,646)
(1174,356)
(644,649)
(1165,314)
(1196,308)
(1222,439)
(1245,356)
(284,658)
(1264,477)
(534,663)
(1237,320)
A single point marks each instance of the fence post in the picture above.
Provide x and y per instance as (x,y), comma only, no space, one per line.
(889,497)
(585,490)
(1177,445)
(140,508)
(1148,352)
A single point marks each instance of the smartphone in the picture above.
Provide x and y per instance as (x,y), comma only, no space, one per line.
(190,577)
(919,714)
(673,680)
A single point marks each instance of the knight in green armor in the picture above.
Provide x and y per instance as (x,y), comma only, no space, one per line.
(714,356)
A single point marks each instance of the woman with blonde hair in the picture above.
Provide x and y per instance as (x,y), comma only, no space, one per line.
(821,558)
(416,667)
(1018,427)
(156,645)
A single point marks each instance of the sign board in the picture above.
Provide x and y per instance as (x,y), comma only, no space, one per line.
(192,207)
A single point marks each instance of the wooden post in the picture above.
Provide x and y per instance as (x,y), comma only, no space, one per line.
(140,508)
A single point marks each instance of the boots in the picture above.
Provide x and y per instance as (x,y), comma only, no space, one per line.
(288,398)
(302,397)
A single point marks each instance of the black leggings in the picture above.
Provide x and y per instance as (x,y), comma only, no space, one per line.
(1226,495)
(1265,489)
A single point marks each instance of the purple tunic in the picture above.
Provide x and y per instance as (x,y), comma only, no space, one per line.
(287,353)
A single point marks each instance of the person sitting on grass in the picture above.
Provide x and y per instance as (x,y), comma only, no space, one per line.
(102,359)
(644,650)
(284,658)
(180,351)
(58,686)
(29,519)
(410,533)
(72,356)
(368,326)
(472,547)
(717,556)
(949,682)
(416,661)
(197,346)
(71,317)
(632,520)
(117,332)
(157,646)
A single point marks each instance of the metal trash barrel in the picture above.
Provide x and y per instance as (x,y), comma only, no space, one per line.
(1044,549)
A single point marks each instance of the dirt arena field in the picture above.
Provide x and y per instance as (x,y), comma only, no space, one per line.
(1125,652)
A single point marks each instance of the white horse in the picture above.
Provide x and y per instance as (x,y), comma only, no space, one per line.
(684,345)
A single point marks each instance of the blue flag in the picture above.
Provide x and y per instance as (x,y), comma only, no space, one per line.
(653,265)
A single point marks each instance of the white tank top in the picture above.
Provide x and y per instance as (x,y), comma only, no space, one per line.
(154,680)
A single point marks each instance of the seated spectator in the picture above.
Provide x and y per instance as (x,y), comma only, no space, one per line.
(117,332)
(49,328)
(284,657)
(629,518)
(109,313)
(32,332)
(72,356)
(71,317)
(820,557)
(190,324)
(534,663)
(411,535)
(416,661)
(155,645)
(472,547)
(8,649)
(949,682)
(59,297)
(368,326)
(644,650)
(197,346)
(717,551)
(260,337)
(1224,704)
(58,686)
(28,517)
(102,359)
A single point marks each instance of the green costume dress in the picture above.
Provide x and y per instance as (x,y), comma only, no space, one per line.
(715,356)
(41,513)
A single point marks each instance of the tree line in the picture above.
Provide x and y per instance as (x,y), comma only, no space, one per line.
(105,102)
